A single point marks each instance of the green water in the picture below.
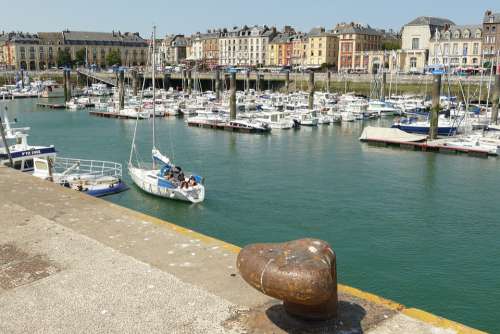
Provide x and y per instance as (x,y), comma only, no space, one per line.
(419,228)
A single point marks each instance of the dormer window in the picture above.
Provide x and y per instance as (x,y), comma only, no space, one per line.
(456,34)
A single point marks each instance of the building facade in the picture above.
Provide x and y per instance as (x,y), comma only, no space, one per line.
(491,41)
(417,36)
(40,51)
(279,51)
(322,48)
(299,50)
(355,41)
(457,47)
(19,51)
(174,49)
(246,46)
(210,48)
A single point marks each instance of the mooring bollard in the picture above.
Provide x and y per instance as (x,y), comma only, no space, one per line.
(302,273)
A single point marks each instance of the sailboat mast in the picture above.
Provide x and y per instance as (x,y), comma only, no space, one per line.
(154,85)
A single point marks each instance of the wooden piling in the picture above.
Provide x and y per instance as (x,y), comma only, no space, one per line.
(436,94)
(495,99)
(65,86)
(232,99)
(121,89)
(166,81)
(247,81)
(311,90)
(382,86)
(217,84)
(287,82)
(135,82)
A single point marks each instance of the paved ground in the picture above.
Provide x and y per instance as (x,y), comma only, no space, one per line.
(71,263)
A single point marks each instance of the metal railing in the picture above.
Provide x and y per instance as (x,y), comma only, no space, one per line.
(95,168)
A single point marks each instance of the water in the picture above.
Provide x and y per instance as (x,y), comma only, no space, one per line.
(419,228)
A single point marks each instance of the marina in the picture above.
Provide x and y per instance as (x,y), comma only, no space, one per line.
(357,174)
(220,173)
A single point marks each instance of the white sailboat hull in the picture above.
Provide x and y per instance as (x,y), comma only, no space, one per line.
(147,180)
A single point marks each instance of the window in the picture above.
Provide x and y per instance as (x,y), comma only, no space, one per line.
(465,49)
(28,164)
(464,61)
(446,51)
(413,62)
(415,43)
(455,48)
(493,29)
(475,50)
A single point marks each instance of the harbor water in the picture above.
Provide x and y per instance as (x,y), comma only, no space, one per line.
(419,228)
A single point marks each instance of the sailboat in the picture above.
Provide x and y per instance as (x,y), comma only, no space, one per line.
(164,179)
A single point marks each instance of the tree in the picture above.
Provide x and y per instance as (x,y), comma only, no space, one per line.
(64,58)
(391,45)
(81,57)
(114,58)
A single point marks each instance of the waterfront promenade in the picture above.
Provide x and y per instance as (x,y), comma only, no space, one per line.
(72,263)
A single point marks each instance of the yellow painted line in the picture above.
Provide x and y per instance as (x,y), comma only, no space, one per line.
(420,315)
(187,232)
(370,297)
(439,322)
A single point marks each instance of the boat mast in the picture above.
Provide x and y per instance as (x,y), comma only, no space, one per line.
(153,61)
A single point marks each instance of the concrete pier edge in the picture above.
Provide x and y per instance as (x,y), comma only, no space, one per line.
(42,208)
(415,313)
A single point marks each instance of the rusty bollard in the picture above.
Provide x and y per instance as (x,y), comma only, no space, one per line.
(302,273)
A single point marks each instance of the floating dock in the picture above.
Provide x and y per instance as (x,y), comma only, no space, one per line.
(388,137)
(222,125)
(51,105)
(107,114)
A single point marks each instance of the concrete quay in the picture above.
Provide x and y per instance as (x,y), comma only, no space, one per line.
(70,263)
(110,78)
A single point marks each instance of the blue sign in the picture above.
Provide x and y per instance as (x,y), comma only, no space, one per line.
(438,72)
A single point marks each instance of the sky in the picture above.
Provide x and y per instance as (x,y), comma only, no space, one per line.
(190,16)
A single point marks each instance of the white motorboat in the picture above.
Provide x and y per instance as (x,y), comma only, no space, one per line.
(382,108)
(276,120)
(92,177)
(134,112)
(19,151)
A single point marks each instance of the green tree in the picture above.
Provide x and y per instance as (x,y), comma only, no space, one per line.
(114,58)
(391,45)
(80,57)
(64,58)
